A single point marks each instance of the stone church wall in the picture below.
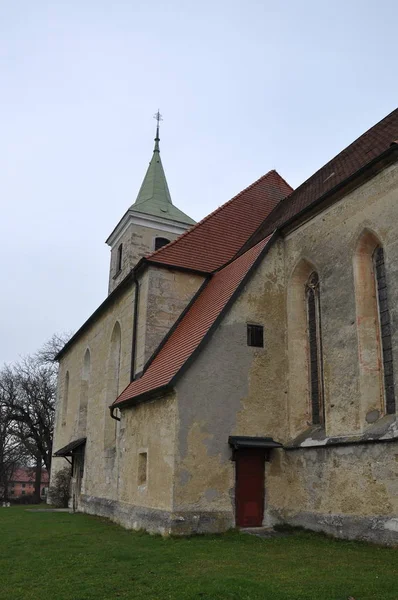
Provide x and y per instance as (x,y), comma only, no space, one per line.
(349,490)
(164,294)
(142,502)
(100,468)
(231,389)
(138,241)
(328,243)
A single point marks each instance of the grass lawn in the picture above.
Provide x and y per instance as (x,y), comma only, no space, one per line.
(60,556)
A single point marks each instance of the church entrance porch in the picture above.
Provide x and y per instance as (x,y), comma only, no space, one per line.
(250,454)
(75,451)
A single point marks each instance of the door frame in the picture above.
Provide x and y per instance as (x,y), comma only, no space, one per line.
(258,452)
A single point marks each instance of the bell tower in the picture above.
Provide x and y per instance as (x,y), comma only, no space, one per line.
(150,223)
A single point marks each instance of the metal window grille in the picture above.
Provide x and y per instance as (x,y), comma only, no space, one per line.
(255,336)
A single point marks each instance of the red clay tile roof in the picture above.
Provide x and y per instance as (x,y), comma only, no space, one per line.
(27,475)
(357,155)
(194,325)
(216,239)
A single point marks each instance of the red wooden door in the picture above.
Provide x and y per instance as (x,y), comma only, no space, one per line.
(249,488)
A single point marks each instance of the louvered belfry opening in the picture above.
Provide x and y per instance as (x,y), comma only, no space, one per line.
(315,349)
(385,329)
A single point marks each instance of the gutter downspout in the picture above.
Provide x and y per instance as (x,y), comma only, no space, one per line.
(135,319)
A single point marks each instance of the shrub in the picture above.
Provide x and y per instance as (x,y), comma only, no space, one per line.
(59,492)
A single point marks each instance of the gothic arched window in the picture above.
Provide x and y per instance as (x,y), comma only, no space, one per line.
(84,393)
(315,349)
(113,375)
(385,329)
(65,397)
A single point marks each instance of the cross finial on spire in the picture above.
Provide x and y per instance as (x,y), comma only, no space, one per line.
(158,118)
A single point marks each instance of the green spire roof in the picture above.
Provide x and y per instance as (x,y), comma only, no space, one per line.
(154,196)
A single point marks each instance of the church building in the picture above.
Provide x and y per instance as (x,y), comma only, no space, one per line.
(242,371)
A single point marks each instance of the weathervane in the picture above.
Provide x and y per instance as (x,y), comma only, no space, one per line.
(158,118)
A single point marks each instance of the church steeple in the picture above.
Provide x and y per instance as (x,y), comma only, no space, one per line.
(151,222)
(154,195)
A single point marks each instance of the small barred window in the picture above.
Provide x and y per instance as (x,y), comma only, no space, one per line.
(255,336)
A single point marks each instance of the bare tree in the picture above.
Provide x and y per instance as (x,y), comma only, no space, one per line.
(12,451)
(47,353)
(28,389)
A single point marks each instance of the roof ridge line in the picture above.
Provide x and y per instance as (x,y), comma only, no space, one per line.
(217,210)
(242,252)
(229,302)
(339,154)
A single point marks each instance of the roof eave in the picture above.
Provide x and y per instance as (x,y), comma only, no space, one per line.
(145,397)
(108,300)
(362,175)
(365,173)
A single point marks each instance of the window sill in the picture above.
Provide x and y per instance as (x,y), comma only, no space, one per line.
(116,275)
(385,430)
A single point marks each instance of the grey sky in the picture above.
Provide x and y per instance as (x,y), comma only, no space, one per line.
(244,87)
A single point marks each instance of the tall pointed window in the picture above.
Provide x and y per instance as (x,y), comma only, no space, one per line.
(385,329)
(119,258)
(65,398)
(315,349)
(113,375)
(84,394)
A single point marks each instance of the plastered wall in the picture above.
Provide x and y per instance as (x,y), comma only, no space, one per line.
(138,241)
(148,428)
(164,293)
(100,467)
(231,389)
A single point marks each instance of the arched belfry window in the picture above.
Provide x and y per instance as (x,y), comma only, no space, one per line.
(385,329)
(119,258)
(160,242)
(315,349)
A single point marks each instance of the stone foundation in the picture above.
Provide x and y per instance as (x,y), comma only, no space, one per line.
(155,520)
(378,530)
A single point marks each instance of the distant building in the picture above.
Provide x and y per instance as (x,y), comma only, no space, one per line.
(243,371)
(23,483)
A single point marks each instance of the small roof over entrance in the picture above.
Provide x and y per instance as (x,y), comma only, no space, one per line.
(241,441)
(68,449)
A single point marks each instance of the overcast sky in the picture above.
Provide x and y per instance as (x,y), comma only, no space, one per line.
(244,87)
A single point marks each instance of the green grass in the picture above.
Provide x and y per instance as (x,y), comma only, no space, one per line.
(60,556)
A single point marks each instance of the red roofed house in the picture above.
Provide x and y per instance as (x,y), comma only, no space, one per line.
(23,483)
(242,370)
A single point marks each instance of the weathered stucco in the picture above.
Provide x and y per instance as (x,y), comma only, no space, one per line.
(138,241)
(348,488)
(231,389)
(100,471)
(164,293)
